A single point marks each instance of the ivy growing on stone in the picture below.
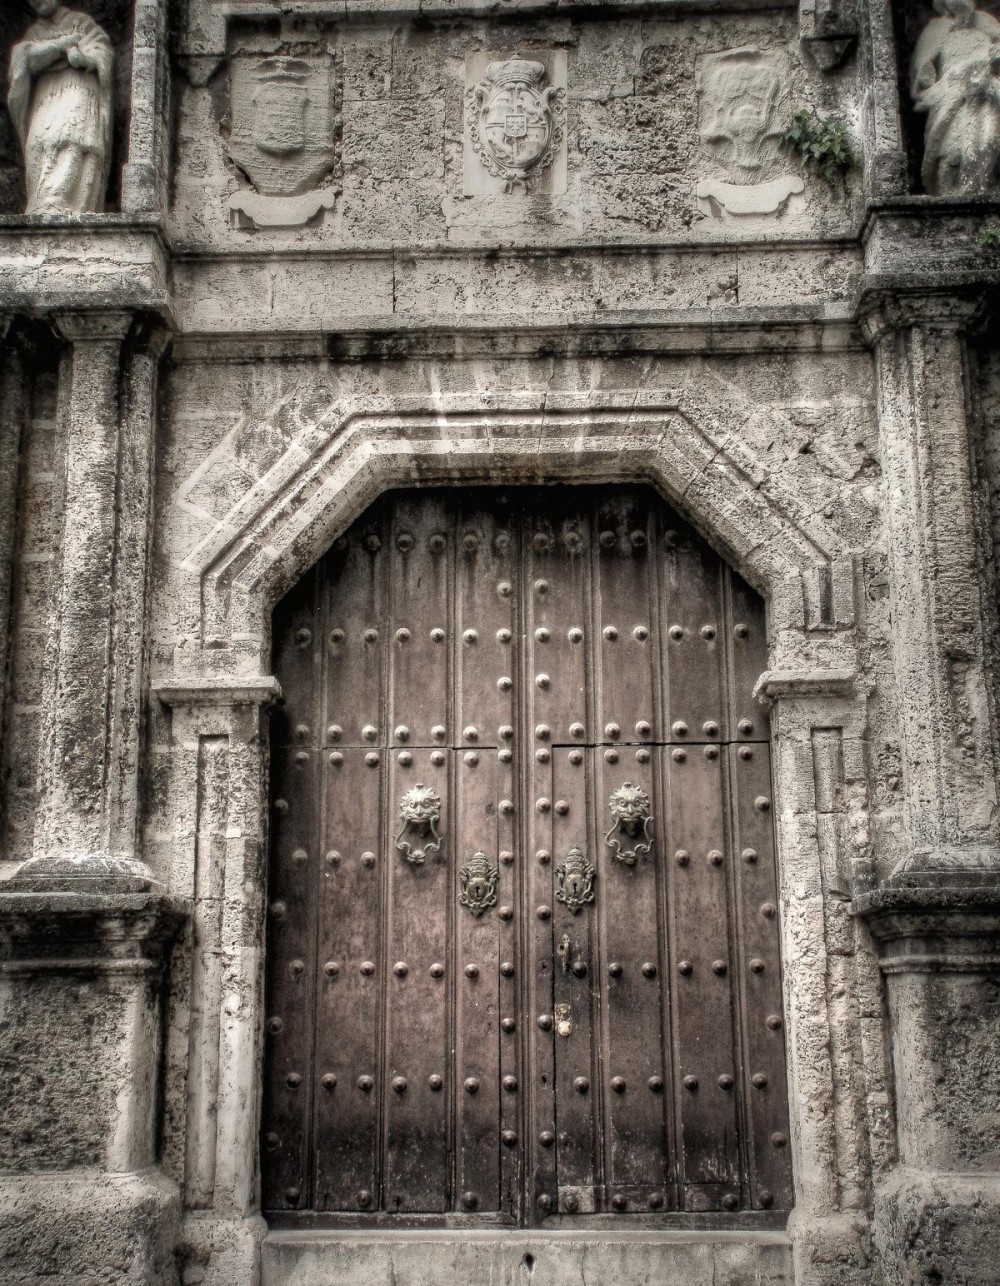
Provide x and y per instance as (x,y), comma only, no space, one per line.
(821,144)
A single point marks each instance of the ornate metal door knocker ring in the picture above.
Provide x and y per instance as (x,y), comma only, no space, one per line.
(420,812)
(479,884)
(630,820)
(576,881)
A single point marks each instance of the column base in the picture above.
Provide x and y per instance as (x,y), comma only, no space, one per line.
(938,1227)
(83,873)
(955,866)
(69,1228)
(221,1251)
(830,1249)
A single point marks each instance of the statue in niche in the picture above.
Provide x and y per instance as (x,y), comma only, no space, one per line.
(955,79)
(60,101)
(743,114)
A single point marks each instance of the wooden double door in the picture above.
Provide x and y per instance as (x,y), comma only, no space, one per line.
(522,954)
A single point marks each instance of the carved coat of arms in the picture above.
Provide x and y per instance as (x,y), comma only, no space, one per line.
(515,121)
(282,135)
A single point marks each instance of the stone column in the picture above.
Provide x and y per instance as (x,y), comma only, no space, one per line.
(86,840)
(11,424)
(142,177)
(939,643)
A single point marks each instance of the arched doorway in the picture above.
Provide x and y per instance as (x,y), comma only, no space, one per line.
(522,958)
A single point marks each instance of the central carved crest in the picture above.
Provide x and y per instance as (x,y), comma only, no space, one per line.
(419,812)
(630,820)
(515,121)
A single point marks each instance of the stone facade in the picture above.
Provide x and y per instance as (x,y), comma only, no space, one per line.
(350,247)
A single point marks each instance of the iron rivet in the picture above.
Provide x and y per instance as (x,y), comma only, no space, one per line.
(745,727)
(575,635)
(369,732)
(762,804)
(438,731)
(774,1022)
(571,1202)
(405,758)
(399,1084)
(715,858)
(364,1197)
(543,756)
(649,970)
(543,731)
(730,1201)
(403,733)
(544,1022)
(471,541)
(679,756)
(581,1084)
(435,1082)
(404,541)
(292,1194)
(436,543)
(335,732)
(367,968)
(503,589)
(505,683)
(471,758)
(691,1083)
(618,1084)
(366,1083)
(542,634)
(745,752)
(725,1081)
(655,1201)
(546,1138)
(619,1203)
(685,967)
(297,968)
(302,731)
(676,633)
(472,971)
(279,910)
(682,857)
(741,631)
(575,756)
(756,965)
(778,1139)
(719,967)
(643,728)
(610,633)
(612,730)
(508,1025)
(336,758)
(708,632)
(371,759)
(368,859)
(510,1084)
(545,1202)
(331,968)
(562,808)
(503,636)
(542,542)
(300,857)
(302,756)
(373,542)
(337,637)
(640,633)
(759,1081)
(437,757)
(579,969)
(505,913)
(637,539)
(470,1200)
(272,1140)
(333,857)
(544,856)
(274,1025)
(471,1085)
(470,636)
(506,857)
(766,1198)
(403,635)
(471,733)
(710,729)
(437,970)
(544,912)
(400,969)
(505,732)
(615,969)
(711,752)
(768,910)
(607,539)
(507,968)
(642,756)
(543,805)
(437,635)
(655,1083)
(293,1080)
(576,729)
(541,586)
(750,855)
(303,637)
(370,635)
(542,681)
(611,756)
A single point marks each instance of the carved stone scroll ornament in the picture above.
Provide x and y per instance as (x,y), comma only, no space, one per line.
(515,121)
(60,101)
(631,830)
(743,114)
(282,131)
(576,881)
(478,882)
(419,813)
(955,79)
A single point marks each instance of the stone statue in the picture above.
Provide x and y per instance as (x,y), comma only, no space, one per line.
(60,101)
(955,79)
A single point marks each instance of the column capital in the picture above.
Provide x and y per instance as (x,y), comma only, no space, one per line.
(92,327)
(885,312)
(776,685)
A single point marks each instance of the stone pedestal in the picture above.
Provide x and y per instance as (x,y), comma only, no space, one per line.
(937,1213)
(81,1198)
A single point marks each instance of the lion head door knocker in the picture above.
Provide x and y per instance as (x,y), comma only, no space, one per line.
(631,820)
(576,881)
(479,884)
(419,812)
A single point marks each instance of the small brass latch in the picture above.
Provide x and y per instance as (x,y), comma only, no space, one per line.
(564,1024)
(563,951)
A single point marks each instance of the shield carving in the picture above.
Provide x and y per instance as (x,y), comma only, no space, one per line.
(515,121)
(282,121)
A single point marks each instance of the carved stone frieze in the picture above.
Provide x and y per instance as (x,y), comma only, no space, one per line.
(515,114)
(283,128)
(744,110)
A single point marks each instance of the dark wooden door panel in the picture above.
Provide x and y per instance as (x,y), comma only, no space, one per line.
(522,947)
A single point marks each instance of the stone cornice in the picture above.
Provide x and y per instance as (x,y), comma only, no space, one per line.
(777,685)
(67,931)
(223,690)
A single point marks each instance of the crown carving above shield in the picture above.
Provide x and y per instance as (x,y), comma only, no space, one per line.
(515,71)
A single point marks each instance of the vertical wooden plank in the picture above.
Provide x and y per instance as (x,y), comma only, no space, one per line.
(539,1038)
(691,622)
(701,978)
(348,995)
(511,913)
(747,640)
(417,1169)
(759,962)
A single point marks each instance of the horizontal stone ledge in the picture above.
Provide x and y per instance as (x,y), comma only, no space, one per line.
(225,690)
(776,685)
(62,932)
